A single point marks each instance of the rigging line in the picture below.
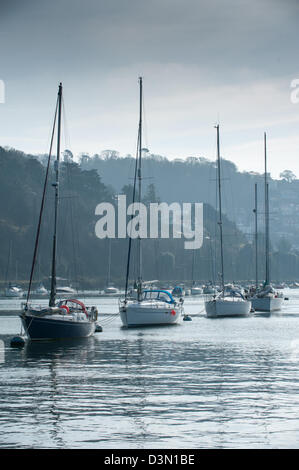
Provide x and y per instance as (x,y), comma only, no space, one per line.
(56,206)
(8,263)
(226,205)
(144,127)
(41,208)
(109,319)
(47,145)
(235,235)
(214,206)
(134,196)
(213,202)
(216,244)
(65,128)
(157,251)
(202,310)
(74,232)
(220,208)
(75,237)
(139,188)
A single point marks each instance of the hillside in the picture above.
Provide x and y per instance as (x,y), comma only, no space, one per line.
(193,180)
(82,257)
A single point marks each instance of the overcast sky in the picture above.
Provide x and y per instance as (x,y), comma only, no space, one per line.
(202,61)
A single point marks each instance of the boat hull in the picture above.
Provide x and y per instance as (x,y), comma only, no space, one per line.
(209,291)
(134,316)
(227,308)
(110,291)
(196,291)
(41,328)
(14,294)
(267,304)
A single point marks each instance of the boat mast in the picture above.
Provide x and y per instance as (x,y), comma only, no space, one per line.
(220,209)
(7,282)
(267,276)
(255,236)
(56,187)
(109,262)
(139,283)
(134,196)
(193,262)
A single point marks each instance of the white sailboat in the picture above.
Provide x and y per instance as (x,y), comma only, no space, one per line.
(65,290)
(110,289)
(266,299)
(150,306)
(40,291)
(209,289)
(195,290)
(13,291)
(228,302)
(294,285)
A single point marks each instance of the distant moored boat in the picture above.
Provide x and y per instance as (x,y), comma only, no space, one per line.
(13,291)
(229,302)
(266,299)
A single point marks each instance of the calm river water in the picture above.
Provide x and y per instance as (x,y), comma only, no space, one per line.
(207,383)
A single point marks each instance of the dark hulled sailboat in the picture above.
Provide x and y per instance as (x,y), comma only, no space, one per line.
(68,318)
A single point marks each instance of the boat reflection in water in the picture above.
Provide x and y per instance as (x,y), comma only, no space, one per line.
(157,387)
(80,350)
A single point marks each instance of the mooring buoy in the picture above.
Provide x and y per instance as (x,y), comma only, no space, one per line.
(17,342)
(98,329)
(187,318)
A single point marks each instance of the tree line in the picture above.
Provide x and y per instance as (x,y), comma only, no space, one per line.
(82,258)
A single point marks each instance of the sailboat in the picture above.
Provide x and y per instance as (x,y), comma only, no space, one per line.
(69,318)
(150,306)
(228,302)
(12,289)
(40,290)
(195,290)
(266,299)
(208,289)
(110,289)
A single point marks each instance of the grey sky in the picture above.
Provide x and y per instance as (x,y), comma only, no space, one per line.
(201,61)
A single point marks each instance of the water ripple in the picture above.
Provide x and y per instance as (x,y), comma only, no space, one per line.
(205,384)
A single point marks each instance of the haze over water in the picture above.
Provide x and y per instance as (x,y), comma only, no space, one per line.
(209,383)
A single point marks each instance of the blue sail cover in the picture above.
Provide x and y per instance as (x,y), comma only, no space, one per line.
(177,291)
(162,295)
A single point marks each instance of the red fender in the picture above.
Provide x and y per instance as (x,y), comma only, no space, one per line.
(66,308)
